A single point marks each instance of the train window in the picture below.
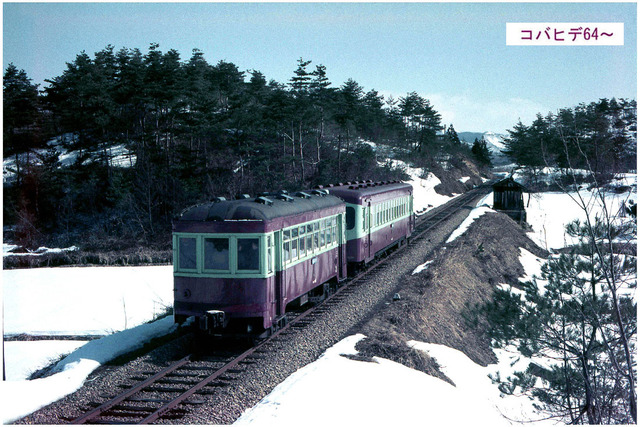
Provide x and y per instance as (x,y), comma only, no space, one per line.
(302,230)
(286,254)
(269,254)
(351,218)
(309,243)
(248,254)
(294,249)
(328,235)
(216,254)
(286,235)
(187,253)
(322,235)
(315,241)
(309,228)
(294,233)
(302,250)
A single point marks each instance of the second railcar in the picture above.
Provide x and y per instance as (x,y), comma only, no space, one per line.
(237,264)
(378,216)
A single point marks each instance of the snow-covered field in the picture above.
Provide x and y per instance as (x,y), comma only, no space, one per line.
(549,212)
(119,300)
(84,301)
(78,302)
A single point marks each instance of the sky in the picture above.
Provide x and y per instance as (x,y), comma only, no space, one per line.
(454,54)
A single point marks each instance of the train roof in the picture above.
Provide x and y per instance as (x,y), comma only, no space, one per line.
(263,208)
(355,192)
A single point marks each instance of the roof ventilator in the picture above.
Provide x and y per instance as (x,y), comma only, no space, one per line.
(264,201)
(321,192)
(243,197)
(285,197)
(303,195)
(218,199)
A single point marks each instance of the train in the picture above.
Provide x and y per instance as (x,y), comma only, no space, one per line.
(239,265)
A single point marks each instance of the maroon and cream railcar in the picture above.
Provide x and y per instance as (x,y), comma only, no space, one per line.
(378,216)
(238,263)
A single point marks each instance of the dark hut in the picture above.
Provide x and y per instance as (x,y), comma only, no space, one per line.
(507,198)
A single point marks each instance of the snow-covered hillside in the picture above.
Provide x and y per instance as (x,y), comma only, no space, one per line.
(495,144)
(117,155)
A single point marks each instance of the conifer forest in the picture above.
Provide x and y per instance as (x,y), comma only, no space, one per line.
(192,131)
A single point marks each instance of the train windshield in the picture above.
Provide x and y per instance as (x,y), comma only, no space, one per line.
(216,254)
(248,254)
(187,252)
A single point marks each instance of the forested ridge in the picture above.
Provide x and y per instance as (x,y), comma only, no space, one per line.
(193,131)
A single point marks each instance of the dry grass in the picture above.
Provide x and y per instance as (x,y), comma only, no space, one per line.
(435,302)
(131,257)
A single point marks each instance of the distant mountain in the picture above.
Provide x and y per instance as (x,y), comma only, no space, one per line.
(495,143)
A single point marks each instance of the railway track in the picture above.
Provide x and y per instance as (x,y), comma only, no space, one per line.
(168,393)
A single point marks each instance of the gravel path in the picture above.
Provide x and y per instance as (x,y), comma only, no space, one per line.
(248,387)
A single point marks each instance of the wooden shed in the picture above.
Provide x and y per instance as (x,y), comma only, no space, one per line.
(508,198)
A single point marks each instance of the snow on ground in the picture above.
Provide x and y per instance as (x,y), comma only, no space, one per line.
(421,267)
(531,264)
(425,197)
(24,397)
(384,393)
(473,215)
(118,155)
(76,301)
(7,250)
(25,357)
(83,300)
(464,179)
(548,213)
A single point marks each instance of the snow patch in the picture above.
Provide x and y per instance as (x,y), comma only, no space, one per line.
(24,397)
(421,267)
(473,215)
(532,265)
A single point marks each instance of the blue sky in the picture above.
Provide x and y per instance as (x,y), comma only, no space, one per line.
(454,54)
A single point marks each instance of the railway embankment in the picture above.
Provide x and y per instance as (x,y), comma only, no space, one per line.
(435,304)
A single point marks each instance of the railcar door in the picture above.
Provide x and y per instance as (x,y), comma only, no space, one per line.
(342,246)
(368,229)
(281,275)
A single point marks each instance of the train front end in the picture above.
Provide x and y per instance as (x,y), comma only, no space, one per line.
(223,262)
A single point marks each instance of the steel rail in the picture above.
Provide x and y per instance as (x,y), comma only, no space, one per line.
(123,396)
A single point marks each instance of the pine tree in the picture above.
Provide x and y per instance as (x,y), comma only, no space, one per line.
(567,317)
(301,81)
(452,136)
(481,152)
(20,111)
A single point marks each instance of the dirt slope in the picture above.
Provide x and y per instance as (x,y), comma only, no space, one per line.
(433,302)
